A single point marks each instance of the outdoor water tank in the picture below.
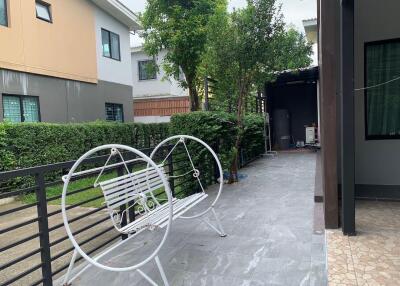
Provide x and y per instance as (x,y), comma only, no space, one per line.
(281,124)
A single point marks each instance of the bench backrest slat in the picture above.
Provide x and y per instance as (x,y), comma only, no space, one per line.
(131,193)
(123,184)
(124,189)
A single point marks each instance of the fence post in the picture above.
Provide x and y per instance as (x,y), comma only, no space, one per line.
(171,171)
(43,225)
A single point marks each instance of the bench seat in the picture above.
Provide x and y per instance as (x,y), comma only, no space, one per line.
(159,216)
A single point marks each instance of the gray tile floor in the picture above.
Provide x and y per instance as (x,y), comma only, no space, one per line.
(271,241)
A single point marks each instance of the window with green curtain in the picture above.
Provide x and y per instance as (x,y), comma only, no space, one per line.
(382,103)
(3,13)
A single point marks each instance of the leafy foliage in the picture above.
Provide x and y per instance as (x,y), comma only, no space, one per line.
(244,49)
(219,129)
(33,144)
(179,27)
(294,51)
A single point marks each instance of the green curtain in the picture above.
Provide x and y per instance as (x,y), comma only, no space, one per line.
(383,103)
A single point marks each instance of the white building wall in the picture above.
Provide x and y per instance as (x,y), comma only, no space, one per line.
(154,88)
(109,69)
(152,119)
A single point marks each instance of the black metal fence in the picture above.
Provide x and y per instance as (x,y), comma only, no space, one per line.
(34,246)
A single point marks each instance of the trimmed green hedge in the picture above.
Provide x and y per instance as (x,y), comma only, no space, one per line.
(219,130)
(33,144)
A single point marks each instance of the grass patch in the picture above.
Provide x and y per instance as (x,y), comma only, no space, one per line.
(77,198)
(56,190)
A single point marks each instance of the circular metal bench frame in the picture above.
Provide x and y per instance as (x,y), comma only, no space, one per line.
(169,210)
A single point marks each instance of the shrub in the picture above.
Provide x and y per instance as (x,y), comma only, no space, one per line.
(218,129)
(33,144)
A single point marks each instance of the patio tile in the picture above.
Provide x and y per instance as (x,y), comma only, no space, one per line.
(288,250)
(242,245)
(293,278)
(189,259)
(232,265)
(372,257)
(271,241)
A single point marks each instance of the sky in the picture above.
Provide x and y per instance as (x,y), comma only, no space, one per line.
(294,11)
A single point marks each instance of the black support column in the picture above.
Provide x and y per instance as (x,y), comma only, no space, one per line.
(347,116)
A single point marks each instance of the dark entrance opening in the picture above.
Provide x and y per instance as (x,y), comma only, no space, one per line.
(292,104)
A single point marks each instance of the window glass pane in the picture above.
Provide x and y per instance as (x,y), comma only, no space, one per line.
(43,11)
(119,114)
(30,109)
(114,112)
(383,102)
(3,13)
(109,112)
(146,70)
(11,108)
(142,71)
(105,36)
(115,46)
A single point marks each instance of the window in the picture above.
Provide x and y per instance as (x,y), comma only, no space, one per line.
(114,112)
(111,45)
(382,103)
(147,70)
(43,11)
(21,108)
(3,13)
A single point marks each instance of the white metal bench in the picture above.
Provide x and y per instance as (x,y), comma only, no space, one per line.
(135,191)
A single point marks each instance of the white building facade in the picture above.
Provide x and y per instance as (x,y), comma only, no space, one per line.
(156,97)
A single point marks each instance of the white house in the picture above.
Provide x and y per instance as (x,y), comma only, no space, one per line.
(77,66)
(155,96)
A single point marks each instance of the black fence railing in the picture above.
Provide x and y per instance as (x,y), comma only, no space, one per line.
(34,247)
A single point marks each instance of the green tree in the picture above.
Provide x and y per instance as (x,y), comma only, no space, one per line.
(244,49)
(179,27)
(294,51)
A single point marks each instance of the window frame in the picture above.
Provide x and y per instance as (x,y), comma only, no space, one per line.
(21,106)
(139,73)
(367,136)
(6,13)
(115,104)
(48,6)
(109,44)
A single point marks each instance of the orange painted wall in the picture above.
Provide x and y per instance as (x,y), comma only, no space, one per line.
(65,48)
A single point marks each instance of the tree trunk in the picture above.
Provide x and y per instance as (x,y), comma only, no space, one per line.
(233,174)
(193,95)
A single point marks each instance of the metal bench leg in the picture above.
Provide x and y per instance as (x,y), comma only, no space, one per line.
(147,277)
(70,267)
(161,269)
(222,232)
(217,228)
(162,273)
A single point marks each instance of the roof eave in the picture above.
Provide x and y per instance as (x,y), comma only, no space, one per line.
(119,11)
